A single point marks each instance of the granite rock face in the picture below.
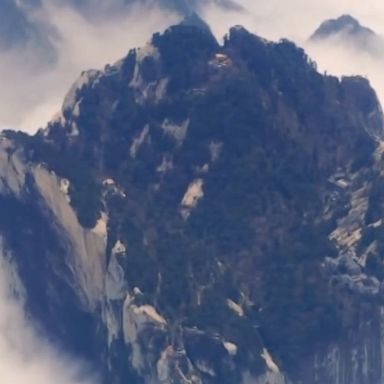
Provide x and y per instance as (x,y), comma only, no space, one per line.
(205,213)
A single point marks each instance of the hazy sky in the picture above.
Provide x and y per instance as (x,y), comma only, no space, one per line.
(298,19)
(31,93)
(295,19)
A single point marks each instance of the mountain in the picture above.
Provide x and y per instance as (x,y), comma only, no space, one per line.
(346,29)
(345,25)
(205,213)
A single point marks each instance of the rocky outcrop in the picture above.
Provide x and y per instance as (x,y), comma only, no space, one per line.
(205,214)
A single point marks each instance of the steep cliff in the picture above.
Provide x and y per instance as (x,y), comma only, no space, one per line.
(200,213)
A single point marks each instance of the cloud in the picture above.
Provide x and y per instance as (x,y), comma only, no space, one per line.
(33,86)
(341,59)
(298,19)
(295,19)
(25,357)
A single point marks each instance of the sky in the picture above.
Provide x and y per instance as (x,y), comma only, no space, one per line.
(293,19)
(32,90)
(298,19)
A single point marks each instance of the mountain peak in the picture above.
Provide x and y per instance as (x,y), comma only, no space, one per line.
(194,206)
(192,19)
(345,25)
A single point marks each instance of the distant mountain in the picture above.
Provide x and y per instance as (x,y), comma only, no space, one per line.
(348,30)
(345,25)
(204,213)
(19,27)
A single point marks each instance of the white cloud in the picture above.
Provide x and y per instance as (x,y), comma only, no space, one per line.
(298,19)
(25,357)
(295,19)
(32,90)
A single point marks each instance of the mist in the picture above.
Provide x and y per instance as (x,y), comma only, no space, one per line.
(34,82)
(25,356)
(298,19)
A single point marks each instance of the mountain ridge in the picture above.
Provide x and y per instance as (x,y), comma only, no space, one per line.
(197,203)
(348,31)
(344,24)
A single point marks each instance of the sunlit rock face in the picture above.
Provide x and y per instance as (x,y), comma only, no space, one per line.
(205,213)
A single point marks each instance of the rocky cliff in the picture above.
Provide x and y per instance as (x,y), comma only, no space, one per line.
(205,213)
